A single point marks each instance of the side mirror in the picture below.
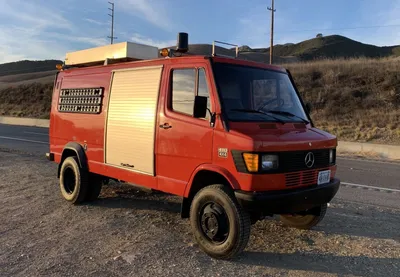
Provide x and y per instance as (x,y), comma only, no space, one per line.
(200,107)
(308,107)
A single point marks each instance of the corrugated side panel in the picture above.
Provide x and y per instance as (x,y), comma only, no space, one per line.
(131,119)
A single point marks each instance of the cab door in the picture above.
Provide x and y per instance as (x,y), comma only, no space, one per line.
(183,141)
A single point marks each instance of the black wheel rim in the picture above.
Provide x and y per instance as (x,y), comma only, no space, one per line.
(214,222)
(69,180)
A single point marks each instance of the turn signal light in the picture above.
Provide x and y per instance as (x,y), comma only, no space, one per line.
(251,161)
(59,66)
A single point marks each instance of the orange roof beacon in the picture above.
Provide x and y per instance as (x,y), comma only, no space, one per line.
(232,137)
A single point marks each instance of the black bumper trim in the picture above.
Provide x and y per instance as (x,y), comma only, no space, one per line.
(288,201)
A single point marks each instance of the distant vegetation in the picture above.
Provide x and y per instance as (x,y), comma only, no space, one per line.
(357,99)
(329,47)
(21,67)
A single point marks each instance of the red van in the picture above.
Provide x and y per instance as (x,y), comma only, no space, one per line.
(232,137)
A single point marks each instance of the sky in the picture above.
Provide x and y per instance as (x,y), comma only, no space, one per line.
(46,29)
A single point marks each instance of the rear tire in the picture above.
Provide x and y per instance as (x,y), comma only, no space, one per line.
(94,187)
(220,226)
(73,181)
(305,222)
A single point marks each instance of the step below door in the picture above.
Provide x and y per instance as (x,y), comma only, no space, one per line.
(131,119)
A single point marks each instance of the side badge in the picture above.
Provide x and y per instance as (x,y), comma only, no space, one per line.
(223,152)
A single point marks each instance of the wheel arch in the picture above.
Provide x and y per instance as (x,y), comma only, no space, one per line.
(73,149)
(206,175)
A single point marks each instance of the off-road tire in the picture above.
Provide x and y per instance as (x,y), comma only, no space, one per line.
(305,222)
(94,187)
(239,222)
(73,181)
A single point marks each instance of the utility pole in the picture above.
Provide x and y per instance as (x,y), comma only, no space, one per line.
(112,22)
(271,48)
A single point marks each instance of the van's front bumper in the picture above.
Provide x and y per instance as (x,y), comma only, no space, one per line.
(288,201)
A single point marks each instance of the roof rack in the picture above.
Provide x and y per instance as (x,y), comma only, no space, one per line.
(221,42)
(114,53)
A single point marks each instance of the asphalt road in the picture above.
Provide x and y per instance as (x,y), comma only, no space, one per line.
(363,181)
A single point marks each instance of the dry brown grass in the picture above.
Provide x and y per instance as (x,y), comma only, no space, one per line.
(32,100)
(355,99)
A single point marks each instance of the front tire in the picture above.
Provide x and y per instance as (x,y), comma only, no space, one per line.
(73,181)
(306,221)
(220,226)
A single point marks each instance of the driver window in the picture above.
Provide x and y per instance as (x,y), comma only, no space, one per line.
(273,94)
(265,91)
(286,95)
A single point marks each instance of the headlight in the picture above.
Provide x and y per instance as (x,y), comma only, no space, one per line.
(269,162)
(332,156)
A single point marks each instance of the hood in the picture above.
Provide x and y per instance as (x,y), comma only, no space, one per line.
(283,137)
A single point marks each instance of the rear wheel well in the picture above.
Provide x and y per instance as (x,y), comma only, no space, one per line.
(73,149)
(66,153)
(202,179)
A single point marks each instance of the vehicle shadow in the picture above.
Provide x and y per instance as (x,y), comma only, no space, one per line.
(129,197)
(348,219)
(371,222)
(324,263)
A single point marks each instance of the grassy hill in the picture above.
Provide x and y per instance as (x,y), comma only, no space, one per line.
(329,47)
(22,67)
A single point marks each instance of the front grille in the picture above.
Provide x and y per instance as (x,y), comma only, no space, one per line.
(308,177)
(291,161)
(295,161)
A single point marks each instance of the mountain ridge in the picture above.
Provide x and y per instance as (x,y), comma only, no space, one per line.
(325,47)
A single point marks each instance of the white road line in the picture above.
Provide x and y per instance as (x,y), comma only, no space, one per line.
(26,140)
(34,133)
(370,187)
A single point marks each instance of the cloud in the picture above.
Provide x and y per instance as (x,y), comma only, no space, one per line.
(33,15)
(153,11)
(149,41)
(31,31)
(96,22)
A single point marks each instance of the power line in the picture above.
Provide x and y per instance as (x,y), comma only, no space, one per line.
(271,48)
(112,22)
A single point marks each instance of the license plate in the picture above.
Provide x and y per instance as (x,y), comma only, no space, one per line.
(324,177)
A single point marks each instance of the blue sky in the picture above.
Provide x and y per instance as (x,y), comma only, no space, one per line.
(44,29)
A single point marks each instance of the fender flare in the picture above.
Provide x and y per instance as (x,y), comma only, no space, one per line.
(214,168)
(80,154)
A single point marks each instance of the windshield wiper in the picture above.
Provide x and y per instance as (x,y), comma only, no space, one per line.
(288,114)
(259,112)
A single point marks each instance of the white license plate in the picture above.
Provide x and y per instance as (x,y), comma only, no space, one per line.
(324,177)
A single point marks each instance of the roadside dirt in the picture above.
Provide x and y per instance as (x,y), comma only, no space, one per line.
(134,233)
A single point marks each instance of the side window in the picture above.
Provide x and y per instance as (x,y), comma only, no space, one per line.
(183,88)
(203,88)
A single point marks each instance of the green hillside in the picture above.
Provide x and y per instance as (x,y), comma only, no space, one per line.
(334,46)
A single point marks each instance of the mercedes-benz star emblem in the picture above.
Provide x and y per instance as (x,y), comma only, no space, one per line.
(309,159)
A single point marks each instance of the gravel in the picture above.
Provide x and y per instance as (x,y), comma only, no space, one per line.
(129,232)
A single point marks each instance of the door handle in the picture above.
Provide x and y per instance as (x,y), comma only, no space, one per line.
(165,126)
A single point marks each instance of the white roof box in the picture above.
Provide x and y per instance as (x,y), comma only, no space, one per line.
(119,51)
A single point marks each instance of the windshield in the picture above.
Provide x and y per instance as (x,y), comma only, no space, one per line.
(257,94)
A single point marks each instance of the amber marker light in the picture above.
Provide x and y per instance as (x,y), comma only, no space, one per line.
(164,52)
(251,161)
